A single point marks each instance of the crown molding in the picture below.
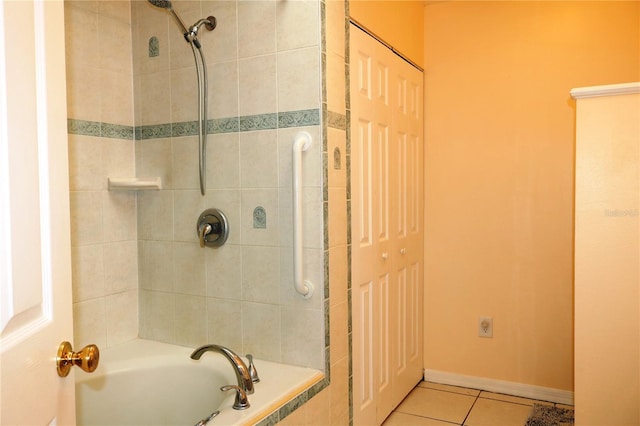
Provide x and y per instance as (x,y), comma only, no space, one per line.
(606,90)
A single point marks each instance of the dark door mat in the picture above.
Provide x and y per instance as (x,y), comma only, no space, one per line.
(547,415)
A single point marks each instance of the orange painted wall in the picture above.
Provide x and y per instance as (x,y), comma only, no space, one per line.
(398,22)
(499,170)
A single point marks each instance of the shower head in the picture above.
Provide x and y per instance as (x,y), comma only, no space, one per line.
(164,4)
(191,34)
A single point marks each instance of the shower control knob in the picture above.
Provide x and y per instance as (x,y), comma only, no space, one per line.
(212,228)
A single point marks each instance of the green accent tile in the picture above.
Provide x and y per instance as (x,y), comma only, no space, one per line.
(270,420)
(337,120)
(315,389)
(155,131)
(349,326)
(323,26)
(97,129)
(327,325)
(259,122)
(308,117)
(348,180)
(190,128)
(116,131)
(154,47)
(325,125)
(325,177)
(292,405)
(348,223)
(223,125)
(184,128)
(323,65)
(83,127)
(325,218)
(326,274)
(327,364)
(337,159)
(349,275)
(259,218)
(350,371)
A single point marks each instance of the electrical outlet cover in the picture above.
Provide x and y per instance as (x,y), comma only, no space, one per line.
(485,327)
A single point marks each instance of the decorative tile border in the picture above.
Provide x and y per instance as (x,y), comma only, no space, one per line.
(94,128)
(153,132)
(223,125)
(83,127)
(116,131)
(295,403)
(306,117)
(337,120)
(259,122)
(281,120)
(184,128)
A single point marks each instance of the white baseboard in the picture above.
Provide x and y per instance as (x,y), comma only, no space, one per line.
(500,386)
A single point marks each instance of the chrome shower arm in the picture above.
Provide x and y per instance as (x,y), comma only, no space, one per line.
(209,23)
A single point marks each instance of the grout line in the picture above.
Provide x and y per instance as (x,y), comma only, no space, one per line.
(424,417)
(533,401)
(453,391)
(470,409)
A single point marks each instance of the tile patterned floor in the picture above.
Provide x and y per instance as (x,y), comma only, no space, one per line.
(432,404)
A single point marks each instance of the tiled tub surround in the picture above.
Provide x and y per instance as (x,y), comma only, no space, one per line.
(253,97)
(103,224)
(240,295)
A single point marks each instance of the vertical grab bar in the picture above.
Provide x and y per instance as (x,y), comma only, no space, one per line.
(301,142)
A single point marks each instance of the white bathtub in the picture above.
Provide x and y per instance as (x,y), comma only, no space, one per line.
(150,383)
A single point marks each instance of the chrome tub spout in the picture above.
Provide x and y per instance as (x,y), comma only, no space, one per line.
(239,367)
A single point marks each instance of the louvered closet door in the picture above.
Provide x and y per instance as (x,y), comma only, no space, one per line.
(386,188)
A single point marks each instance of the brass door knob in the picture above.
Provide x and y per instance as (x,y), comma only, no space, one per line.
(87,358)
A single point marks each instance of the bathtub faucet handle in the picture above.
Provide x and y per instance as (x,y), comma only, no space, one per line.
(204,421)
(204,230)
(241,402)
(252,370)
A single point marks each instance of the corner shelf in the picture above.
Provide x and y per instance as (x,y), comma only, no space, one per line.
(134,184)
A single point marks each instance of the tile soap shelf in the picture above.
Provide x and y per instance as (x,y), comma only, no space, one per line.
(134,184)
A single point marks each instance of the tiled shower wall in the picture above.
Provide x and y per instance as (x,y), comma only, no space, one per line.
(263,63)
(129,246)
(103,224)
